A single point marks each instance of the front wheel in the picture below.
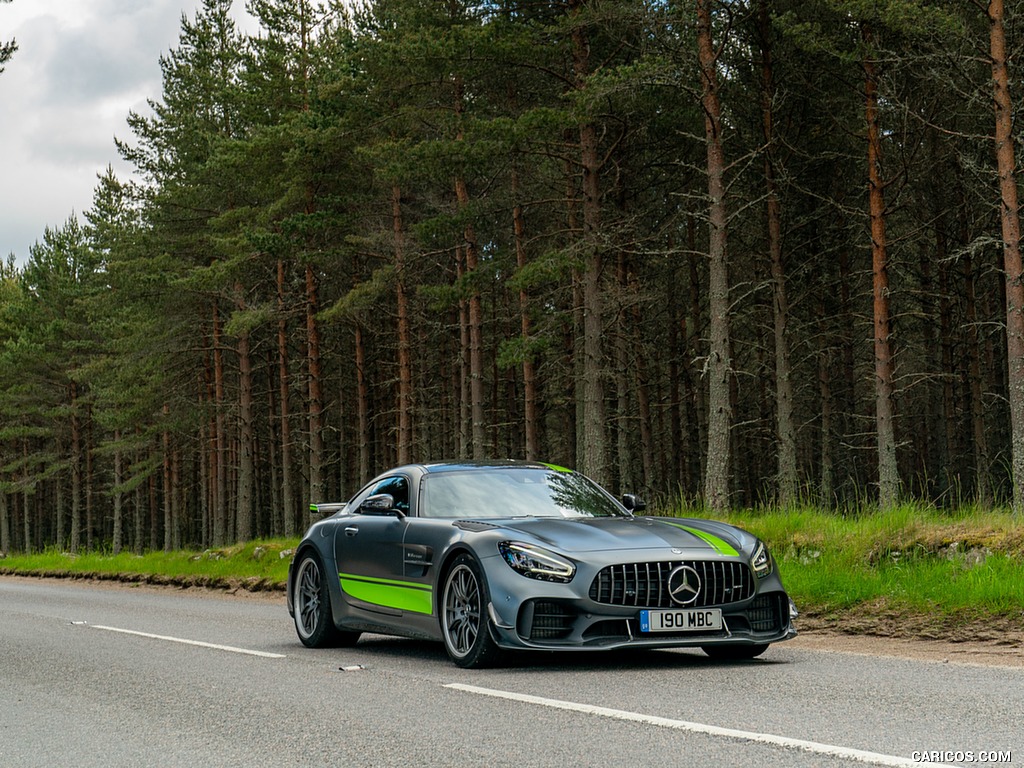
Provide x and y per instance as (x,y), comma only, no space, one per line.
(311,603)
(467,638)
(735,652)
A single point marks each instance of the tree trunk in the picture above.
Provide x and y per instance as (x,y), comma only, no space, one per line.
(177,520)
(87,451)
(826,491)
(472,250)
(1010,223)
(284,404)
(59,512)
(936,304)
(151,504)
(269,458)
(574,347)
(465,415)
(168,518)
(246,436)
(849,432)
(220,438)
(405,403)
(679,477)
(76,470)
(788,479)
(691,330)
(643,404)
(5,525)
(982,484)
(530,417)
(623,382)
(949,411)
(26,498)
(888,474)
(138,545)
(591,449)
(118,540)
(363,407)
(316,402)
(716,483)
(208,456)
(478,431)
(343,442)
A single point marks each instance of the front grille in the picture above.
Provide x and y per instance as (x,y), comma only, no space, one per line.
(646,584)
(765,613)
(609,630)
(551,621)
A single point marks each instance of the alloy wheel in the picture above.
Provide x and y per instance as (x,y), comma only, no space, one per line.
(462,609)
(307,598)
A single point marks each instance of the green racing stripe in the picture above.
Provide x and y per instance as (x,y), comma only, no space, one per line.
(389,593)
(555,467)
(720,546)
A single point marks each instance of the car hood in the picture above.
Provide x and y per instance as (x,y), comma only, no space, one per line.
(694,538)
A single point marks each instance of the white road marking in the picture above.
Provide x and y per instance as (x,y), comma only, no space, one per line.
(786,742)
(214,646)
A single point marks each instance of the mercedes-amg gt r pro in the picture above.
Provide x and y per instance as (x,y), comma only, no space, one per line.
(488,557)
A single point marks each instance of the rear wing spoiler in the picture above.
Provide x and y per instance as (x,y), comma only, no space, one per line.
(326,509)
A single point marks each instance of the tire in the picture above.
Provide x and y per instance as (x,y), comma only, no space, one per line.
(311,603)
(464,624)
(735,652)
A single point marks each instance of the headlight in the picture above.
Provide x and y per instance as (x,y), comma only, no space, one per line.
(761,561)
(536,563)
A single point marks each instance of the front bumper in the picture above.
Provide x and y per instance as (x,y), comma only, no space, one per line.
(527,614)
(551,625)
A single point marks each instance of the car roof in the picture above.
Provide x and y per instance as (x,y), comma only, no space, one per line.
(460,466)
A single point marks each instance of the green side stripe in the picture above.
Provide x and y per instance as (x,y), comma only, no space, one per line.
(717,544)
(400,595)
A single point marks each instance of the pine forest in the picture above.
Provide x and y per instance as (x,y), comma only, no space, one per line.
(719,253)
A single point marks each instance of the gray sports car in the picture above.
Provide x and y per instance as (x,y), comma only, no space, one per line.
(518,555)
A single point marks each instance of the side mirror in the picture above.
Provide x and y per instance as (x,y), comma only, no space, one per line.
(380,504)
(633,503)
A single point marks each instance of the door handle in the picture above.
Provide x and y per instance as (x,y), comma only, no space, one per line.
(352,530)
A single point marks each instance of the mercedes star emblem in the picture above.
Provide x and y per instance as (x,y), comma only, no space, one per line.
(684,585)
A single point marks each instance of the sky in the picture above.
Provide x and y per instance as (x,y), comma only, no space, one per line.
(80,68)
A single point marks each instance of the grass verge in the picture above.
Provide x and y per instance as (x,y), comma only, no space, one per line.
(254,565)
(911,571)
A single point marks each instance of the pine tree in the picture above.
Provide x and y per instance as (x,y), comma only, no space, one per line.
(1010,227)
(7,49)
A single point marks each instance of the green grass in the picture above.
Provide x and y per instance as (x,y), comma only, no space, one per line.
(256,565)
(912,558)
(994,587)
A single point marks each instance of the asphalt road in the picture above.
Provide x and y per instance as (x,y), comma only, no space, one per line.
(99,676)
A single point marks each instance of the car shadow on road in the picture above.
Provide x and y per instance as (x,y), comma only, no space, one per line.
(626,660)
(379,649)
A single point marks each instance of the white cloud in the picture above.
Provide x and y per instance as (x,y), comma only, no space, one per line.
(82,65)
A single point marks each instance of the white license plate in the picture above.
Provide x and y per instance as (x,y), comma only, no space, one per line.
(692,620)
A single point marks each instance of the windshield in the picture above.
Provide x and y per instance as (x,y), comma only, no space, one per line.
(514,492)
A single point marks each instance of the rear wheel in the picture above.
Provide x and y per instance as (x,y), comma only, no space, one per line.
(735,652)
(467,637)
(311,602)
